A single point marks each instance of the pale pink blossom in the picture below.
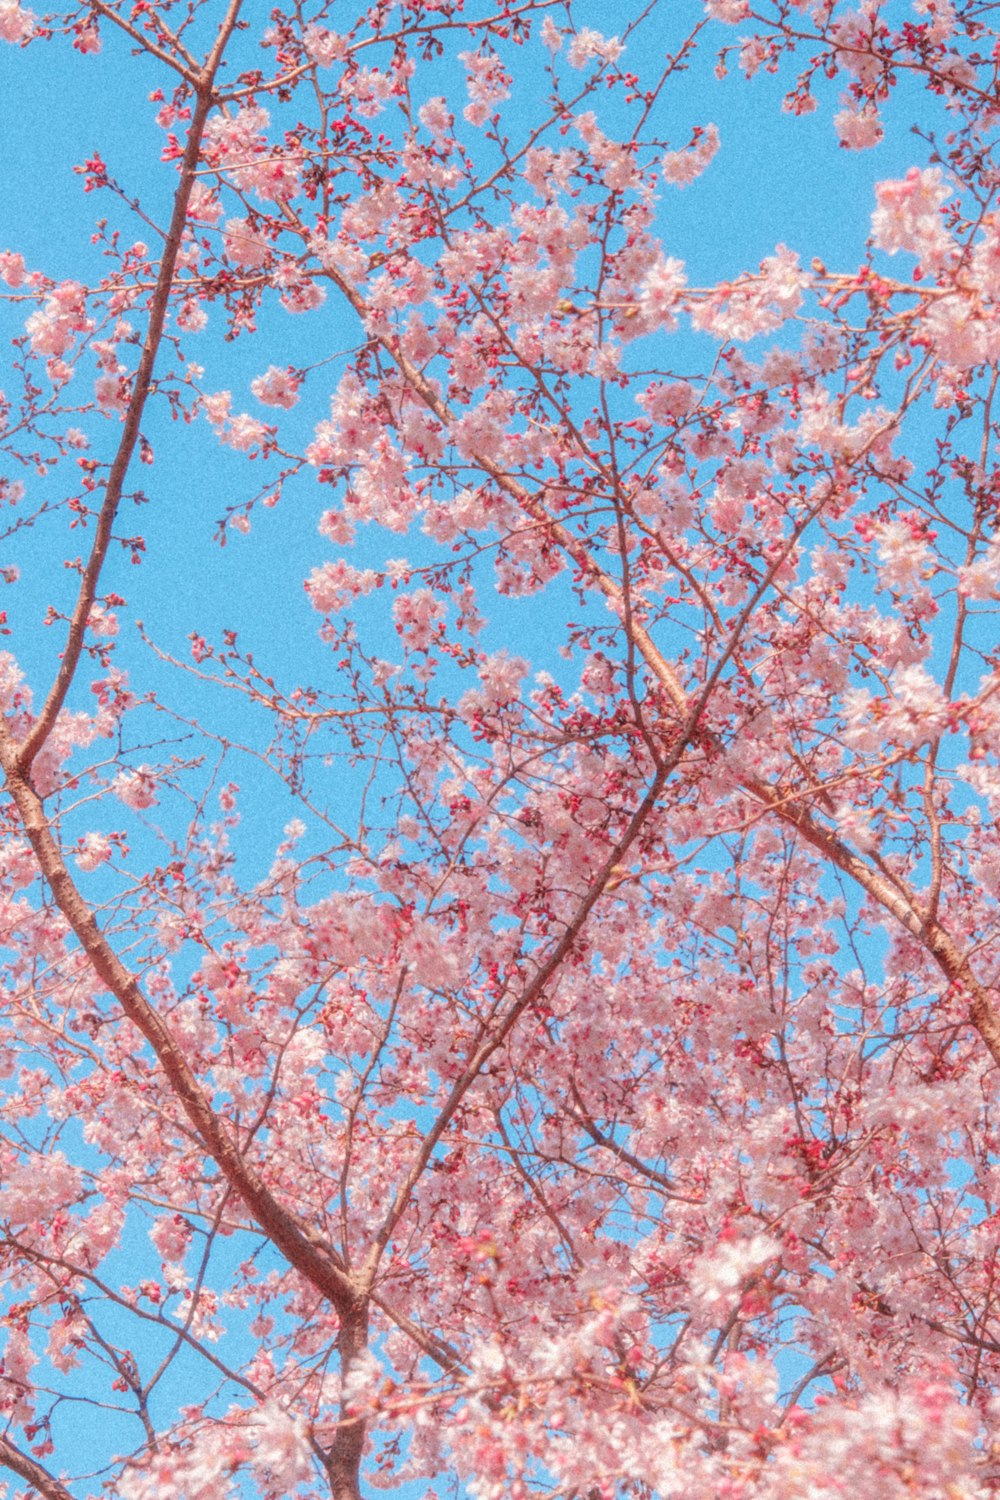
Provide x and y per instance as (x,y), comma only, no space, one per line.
(980,579)
(858,129)
(487,82)
(111,392)
(38,1186)
(589,44)
(52,328)
(908,216)
(660,291)
(501,676)
(171,1234)
(11,268)
(245,432)
(136,788)
(88,39)
(668,403)
(303,295)
(731,12)
(436,117)
(281,1448)
(682,167)
(335,585)
(16,23)
(93,850)
(551,35)
(723,1271)
(102,621)
(204,204)
(417,617)
(243,245)
(323,46)
(277,387)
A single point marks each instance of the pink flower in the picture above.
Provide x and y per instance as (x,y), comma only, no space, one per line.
(204,204)
(417,616)
(858,129)
(908,216)
(136,788)
(660,290)
(92,850)
(723,1270)
(276,387)
(88,39)
(323,46)
(436,117)
(588,44)
(11,268)
(102,621)
(243,246)
(52,327)
(16,24)
(336,584)
(731,12)
(682,167)
(171,1234)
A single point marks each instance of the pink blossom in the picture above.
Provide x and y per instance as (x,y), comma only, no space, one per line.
(88,39)
(731,12)
(243,245)
(335,585)
(417,616)
(16,24)
(281,1448)
(217,407)
(277,387)
(323,46)
(11,268)
(303,295)
(102,621)
(682,167)
(38,1186)
(204,203)
(589,44)
(668,403)
(908,216)
(859,129)
(436,117)
(52,327)
(245,432)
(660,292)
(93,850)
(488,84)
(551,35)
(501,676)
(723,1270)
(137,788)
(111,392)
(171,1234)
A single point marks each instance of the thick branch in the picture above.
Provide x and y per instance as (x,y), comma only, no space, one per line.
(296,1240)
(31,1471)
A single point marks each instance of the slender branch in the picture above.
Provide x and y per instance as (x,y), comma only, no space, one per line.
(141,385)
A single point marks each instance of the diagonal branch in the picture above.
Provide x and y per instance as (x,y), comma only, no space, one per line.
(298,1242)
(141,385)
(33,1472)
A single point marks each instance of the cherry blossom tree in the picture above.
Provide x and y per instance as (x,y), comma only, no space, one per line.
(515,1018)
